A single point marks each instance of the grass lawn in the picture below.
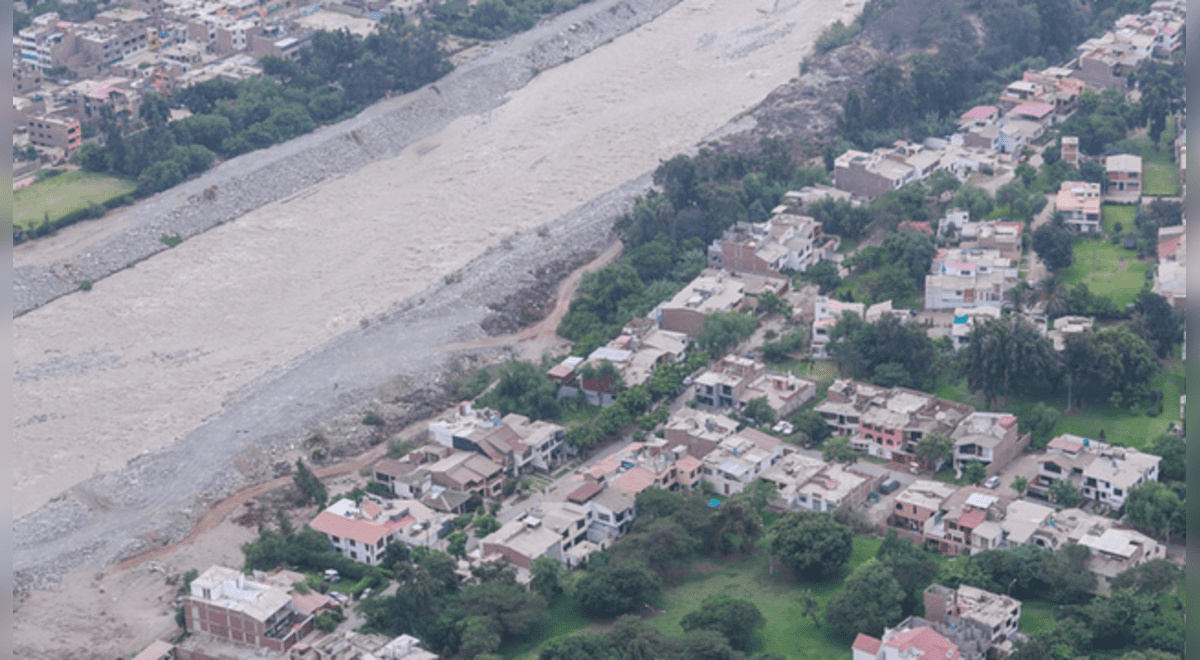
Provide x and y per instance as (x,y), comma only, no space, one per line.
(1036,616)
(1160,175)
(65,193)
(787,633)
(564,618)
(1121,426)
(1123,213)
(1108,270)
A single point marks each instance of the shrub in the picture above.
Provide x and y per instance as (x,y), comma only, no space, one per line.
(171,241)
(86,285)
(373,419)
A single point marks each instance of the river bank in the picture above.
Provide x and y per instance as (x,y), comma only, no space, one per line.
(191,374)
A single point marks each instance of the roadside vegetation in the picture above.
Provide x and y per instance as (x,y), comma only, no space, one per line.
(66,197)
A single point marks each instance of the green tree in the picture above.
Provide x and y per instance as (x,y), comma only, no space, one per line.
(1054,247)
(1007,355)
(615,590)
(913,567)
(1065,572)
(721,330)
(934,449)
(1040,423)
(484,525)
(547,577)
(812,425)
(870,600)
(1064,493)
(759,410)
(809,607)
(1153,578)
(811,544)
(1020,484)
(824,275)
(1162,325)
(456,544)
(512,608)
(1156,509)
(838,449)
(976,201)
(1173,450)
(660,543)
(735,618)
(478,636)
(974,472)
(525,389)
(312,491)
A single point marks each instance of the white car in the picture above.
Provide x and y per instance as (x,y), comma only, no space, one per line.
(992,482)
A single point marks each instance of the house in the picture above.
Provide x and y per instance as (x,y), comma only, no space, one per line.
(969,613)
(1079,202)
(1069,144)
(835,485)
(1112,550)
(871,175)
(468,472)
(224,604)
(980,115)
(789,474)
(1124,176)
(990,438)
(1022,519)
(953,222)
(1103,473)
(711,292)
(919,509)
(741,459)
(734,381)
(611,511)
(964,321)
(962,512)
(641,465)
(348,645)
(803,199)
(549,529)
(363,532)
(785,242)
(514,442)
(887,422)
(1064,326)
(1004,237)
(911,639)
(1170,280)
(698,430)
(966,277)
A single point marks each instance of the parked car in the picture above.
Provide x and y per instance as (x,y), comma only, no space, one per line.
(992,482)
(889,486)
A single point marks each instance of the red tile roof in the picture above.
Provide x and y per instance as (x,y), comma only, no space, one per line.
(1063,443)
(687,463)
(1038,110)
(364,531)
(919,227)
(971,519)
(310,602)
(371,509)
(1167,248)
(927,640)
(979,112)
(634,480)
(867,644)
(584,493)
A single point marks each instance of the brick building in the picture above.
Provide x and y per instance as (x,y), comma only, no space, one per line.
(226,605)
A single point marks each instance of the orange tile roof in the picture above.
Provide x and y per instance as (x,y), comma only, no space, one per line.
(971,519)
(371,509)
(584,493)
(634,481)
(928,641)
(687,463)
(867,644)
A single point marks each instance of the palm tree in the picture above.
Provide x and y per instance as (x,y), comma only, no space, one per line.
(1054,296)
(809,606)
(1018,295)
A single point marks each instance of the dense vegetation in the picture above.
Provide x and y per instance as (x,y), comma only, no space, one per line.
(337,75)
(492,19)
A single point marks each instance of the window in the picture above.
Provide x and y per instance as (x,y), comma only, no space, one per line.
(352,543)
(579,524)
(379,544)
(335,539)
(1117,492)
(899,506)
(353,555)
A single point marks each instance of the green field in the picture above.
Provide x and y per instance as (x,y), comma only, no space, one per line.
(787,633)
(1108,270)
(1121,426)
(65,193)
(1036,617)
(1160,175)
(1123,213)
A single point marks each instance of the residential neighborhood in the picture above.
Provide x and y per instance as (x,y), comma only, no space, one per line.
(908,393)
